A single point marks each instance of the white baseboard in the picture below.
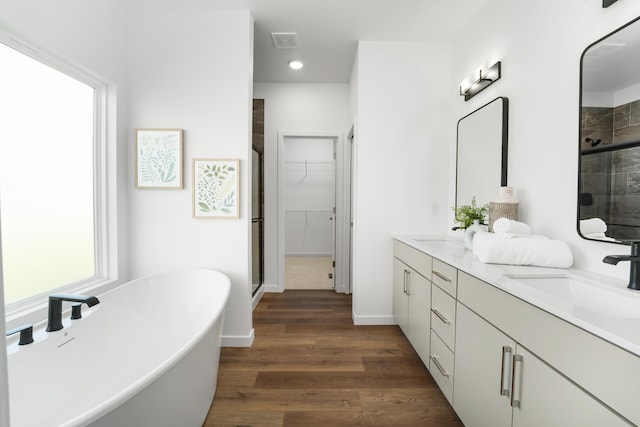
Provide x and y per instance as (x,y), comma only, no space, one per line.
(373,320)
(237,341)
(271,288)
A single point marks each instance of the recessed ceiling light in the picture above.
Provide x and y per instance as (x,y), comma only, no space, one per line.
(295,64)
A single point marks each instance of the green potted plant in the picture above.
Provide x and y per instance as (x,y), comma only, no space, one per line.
(466,215)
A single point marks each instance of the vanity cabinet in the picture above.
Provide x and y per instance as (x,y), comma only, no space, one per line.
(412,297)
(502,361)
(501,383)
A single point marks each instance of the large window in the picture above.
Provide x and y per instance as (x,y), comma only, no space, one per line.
(47,178)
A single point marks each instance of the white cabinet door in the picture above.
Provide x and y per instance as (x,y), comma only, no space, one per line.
(400,297)
(419,318)
(482,378)
(548,399)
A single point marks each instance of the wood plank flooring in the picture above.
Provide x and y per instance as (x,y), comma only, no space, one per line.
(310,366)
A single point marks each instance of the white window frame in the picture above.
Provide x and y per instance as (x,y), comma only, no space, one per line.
(34,309)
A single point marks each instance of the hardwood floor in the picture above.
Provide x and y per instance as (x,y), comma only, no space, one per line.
(310,366)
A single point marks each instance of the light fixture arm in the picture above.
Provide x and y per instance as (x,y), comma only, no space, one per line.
(485,79)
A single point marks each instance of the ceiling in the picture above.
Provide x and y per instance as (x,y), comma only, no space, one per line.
(328,30)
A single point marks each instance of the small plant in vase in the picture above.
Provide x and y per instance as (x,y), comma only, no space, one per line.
(466,215)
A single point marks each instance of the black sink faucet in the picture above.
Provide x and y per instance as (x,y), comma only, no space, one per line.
(634,259)
(55,308)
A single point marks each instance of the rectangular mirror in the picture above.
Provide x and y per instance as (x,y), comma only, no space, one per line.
(609,166)
(481,157)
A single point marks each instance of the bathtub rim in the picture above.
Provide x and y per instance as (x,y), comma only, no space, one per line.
(136,387)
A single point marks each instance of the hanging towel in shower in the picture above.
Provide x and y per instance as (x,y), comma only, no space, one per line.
(530,250)
(592,225)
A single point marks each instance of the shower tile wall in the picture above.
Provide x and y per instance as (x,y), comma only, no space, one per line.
(612,178)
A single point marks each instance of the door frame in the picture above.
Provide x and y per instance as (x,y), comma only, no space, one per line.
(341,258)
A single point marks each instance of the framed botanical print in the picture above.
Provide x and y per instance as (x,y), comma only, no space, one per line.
(216,188)
(159,158)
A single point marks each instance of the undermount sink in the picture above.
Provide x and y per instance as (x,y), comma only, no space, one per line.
(584,295)
(430,239)
(437,241)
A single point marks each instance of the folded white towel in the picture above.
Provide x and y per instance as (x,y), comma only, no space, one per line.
(513,235)
(532,250)
(504,225)
(592,225)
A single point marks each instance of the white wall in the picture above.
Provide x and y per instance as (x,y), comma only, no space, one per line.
(192,69)
(539,44)
(403,134)
(293,107)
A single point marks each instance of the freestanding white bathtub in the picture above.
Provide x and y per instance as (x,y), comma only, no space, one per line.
(147,355)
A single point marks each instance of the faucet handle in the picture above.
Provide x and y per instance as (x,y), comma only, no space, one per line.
(76,311)
(26,334)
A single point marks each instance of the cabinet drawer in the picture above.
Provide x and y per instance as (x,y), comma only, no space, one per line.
(415,259)
(441,366)
(443,316)
(445,276)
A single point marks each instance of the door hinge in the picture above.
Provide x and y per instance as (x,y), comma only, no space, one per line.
(333,263)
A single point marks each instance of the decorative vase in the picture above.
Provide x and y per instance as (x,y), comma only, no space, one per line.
(503,206)
(470,231)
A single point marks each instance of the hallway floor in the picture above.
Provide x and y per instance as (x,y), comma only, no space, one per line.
(310,366)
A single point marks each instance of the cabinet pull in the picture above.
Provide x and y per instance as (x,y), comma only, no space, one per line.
(404,281)
(440,316)
(506,370)
(442,276)
(517,359)
(408,283)
(439,366)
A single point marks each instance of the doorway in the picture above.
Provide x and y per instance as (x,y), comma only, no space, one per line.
(311,251)
(309,193)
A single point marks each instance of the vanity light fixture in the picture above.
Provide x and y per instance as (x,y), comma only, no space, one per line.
(486,78)
(296,64)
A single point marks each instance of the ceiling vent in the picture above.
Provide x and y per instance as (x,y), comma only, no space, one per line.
(285,40)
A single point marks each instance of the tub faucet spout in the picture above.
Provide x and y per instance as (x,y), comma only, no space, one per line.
(55,308)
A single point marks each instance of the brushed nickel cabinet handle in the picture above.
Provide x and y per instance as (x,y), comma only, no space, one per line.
(439,366)
(404,283)
(506,370)
(408,283)
(442,276)
(440,316)
(517,359)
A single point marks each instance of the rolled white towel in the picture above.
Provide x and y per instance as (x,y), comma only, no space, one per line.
(592,225)
(532,250)
(504,225)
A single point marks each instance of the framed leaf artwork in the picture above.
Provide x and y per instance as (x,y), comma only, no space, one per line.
(159,158)
(216,188)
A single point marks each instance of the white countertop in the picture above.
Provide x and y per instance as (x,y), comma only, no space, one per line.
(602,306)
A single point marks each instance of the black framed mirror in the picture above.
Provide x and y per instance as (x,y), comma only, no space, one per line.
(609,156)
(482,152)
